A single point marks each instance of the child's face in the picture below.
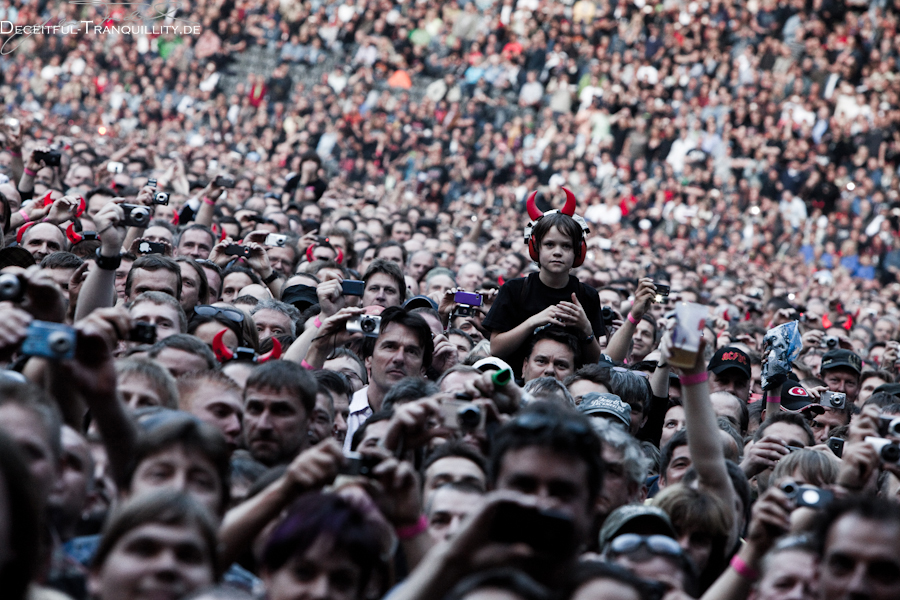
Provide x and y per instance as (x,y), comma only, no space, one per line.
(556,254)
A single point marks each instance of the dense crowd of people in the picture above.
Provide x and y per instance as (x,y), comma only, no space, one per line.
(416,327)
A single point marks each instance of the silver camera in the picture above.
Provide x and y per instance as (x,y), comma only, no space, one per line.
(836,400)
(366,324)
(887,450)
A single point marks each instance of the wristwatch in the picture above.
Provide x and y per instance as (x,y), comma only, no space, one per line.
(272,277)
(108,263)
(588,339)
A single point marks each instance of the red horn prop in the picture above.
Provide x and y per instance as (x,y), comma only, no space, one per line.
(47,198)
(533,211)
(272,354)
(340,256)
(81,206)
(309,252)
(222,352)
(175,219)
(569,208)
(22,230)
(223,235)
(73,235)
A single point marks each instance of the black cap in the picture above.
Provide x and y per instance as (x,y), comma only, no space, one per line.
(730,357)
(888,388)
(841,358)
(420,301)
(16,256)
(795,398)
(301,296)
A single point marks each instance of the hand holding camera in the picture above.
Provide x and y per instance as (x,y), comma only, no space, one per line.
(445,354)
(315,467)
(763,455)
(220,252)
(414,424)
(110,222)
(643,298)
(14,324)
(769,520)
(331,298)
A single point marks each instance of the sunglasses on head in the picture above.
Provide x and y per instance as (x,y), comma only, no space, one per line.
(535,422)
(231,314)
(660,545)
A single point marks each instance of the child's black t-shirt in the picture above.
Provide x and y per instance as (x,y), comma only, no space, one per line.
(522,298)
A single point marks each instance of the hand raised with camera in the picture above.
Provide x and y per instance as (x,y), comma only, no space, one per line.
(865,424)
(145,196)
(643,298)
(33,164)
(331,297)
(890,355)
(770,519)
(445,354)
(315,467)
(812,339)
(258,259)
(14,324)
(414,423)
(763,454)
(506,398)
(400,500)
(859,466)
(110,222)
(217,254)
(43,297)
(63,209)
(93,369)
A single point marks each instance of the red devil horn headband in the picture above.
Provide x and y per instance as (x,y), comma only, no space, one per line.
(272,354)
(21,232)
(568,209)
(222,352)
(74,236)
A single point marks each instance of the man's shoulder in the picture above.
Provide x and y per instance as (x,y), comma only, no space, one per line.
(360,400)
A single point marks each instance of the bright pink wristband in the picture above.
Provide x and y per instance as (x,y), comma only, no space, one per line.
(307,366)
(29,172)
(632,320)
(208,201)
(743,569)
(694,379)
(317,323)
(411,531)
(773,399)
(25,216)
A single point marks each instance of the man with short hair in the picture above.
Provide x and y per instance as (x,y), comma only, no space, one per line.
(60,266)
(161,310)
(195,241)
(401,231)
(840,371)
(182,353)
(153,273)
(730,368)
(43,239)
(625,469)
(470,276)
(859,550)
(278,400)
(553,353)
(273,317)
(420,262)
(453,462)
(384,284)
(449,507)
(215,399)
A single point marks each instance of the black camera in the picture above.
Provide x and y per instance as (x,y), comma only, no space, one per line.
(161,198)
(836,445)
(662,291)
(830,342)
(143,333)
(50,159)
(469,417)
(49,340)
(136,215)
(607,314)
(147,247)
(12,287)
(237,250)
(370,325)
(550,532)
(224,181)
(807,495)
(360,465)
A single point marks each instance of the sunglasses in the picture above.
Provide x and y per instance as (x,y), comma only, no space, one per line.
(660,545)
(643,374)
(535,422)
(205,310)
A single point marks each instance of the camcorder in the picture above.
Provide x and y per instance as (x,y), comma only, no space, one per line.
(468,304)
(836,400)
(887,450)
(136,215)
(370,325)
(53,341)
(12,287)
(807,495)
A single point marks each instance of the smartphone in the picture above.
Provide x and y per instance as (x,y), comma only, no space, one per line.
(237,250)
(468,298)
(275,240)
(224,181)
(353,287)
(115,167)
(146,247)
(549,532)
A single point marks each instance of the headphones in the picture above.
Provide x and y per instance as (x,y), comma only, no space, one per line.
(569,211)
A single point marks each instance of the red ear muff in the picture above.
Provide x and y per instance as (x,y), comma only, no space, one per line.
(222,352)
(21,232)
(74,236)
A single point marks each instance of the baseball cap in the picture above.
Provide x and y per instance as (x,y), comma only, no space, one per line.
(597,404)
(888,388)
(301,296)
(16,256)
(841,358)
(795,398)
(491,363)
(636,518)
(420,302)
(730,357)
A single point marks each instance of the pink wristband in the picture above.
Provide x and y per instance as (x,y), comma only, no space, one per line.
(743,569)
(29,172)
(14,153)
(411,531)
(25,216)
(632,320)
(307,366)
(694,379)
(773,399)
(317,323)
(208,201)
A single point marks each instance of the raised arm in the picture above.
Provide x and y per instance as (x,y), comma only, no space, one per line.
(99,288)
(620,343)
